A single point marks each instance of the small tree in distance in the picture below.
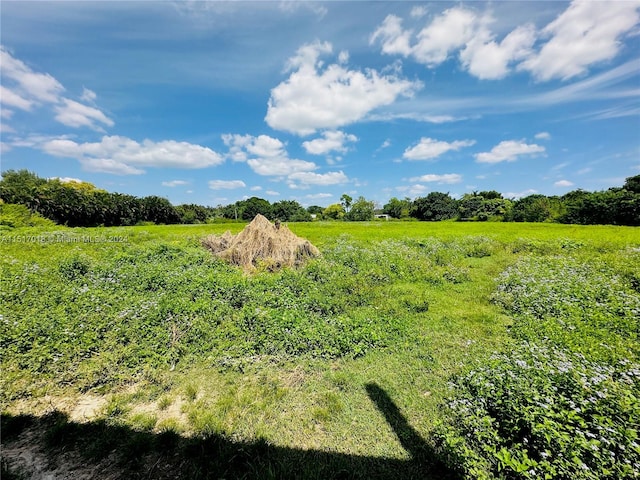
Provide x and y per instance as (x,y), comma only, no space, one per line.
(362,210)
(334,212)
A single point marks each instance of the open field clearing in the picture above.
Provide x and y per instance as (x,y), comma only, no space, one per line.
(407,350)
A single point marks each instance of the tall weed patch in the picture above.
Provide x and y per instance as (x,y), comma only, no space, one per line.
(92,317)
(564,401)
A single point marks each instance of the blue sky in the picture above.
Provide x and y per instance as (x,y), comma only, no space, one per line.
(212,102)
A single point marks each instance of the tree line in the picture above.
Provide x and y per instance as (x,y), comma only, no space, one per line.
(81,204)
(615,206)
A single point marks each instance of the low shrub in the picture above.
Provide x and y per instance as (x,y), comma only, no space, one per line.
(564,400)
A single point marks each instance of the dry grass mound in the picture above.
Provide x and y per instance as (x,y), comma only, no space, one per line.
(262,244)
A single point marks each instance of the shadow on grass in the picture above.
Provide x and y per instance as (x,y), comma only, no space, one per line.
(122,452)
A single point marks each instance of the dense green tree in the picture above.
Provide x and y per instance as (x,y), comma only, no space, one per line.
(158,210)
(435,206)
(616,206)
(254,206)
(315,211)
(470,206)
(63,204)
(346,202)
(334,212)
(232,211)
(483,206)
(397,208)
(536,208)
(290,211)
(191,213)
(496,207)
(632,184)
(490,194)
(362,210)
(20,187)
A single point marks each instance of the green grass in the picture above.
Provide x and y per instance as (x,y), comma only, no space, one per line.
(146,317)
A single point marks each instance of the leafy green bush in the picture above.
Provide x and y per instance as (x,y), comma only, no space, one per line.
(20,216)
(564,401)
(543,413)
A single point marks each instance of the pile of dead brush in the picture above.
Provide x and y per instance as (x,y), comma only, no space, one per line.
(262,244)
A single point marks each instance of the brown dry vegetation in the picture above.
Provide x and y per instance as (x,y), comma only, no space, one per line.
(262,244)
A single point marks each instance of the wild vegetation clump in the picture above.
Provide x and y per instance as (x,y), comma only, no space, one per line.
(102,316)
(564,401)
(262,244)
(20,216)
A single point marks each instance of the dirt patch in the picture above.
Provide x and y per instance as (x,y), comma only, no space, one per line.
(87,408)
(28,457)
(262,244)
(82,408)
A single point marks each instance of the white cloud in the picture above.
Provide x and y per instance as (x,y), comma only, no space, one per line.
(293,6)
(318,196)
(447,178)
(88,95)
(226,184)
(175,183)
(594,87)
(418,11)
(265,146)
(447,32)
(4,128)
(543,136)
(429,148)
(331,141)
(256,188)
(265,155)
(122,155)
(4,112)
(272,193)
(413,190)
(40,86)
(582,171)
(67,179)
(524,193)
(585,33)
(486,59)
(74,114)
(457,29)
(385,144)
(560,166)
(334,160)
(311,178)
(12,99)
(31,88)
(394,39)
(509,151)
(237,144)
(279,166)
(316,97)
(108,165)
(563,183)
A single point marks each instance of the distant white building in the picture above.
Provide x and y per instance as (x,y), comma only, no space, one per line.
(382,215)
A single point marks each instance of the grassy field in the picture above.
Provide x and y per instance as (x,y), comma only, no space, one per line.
(134,350)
